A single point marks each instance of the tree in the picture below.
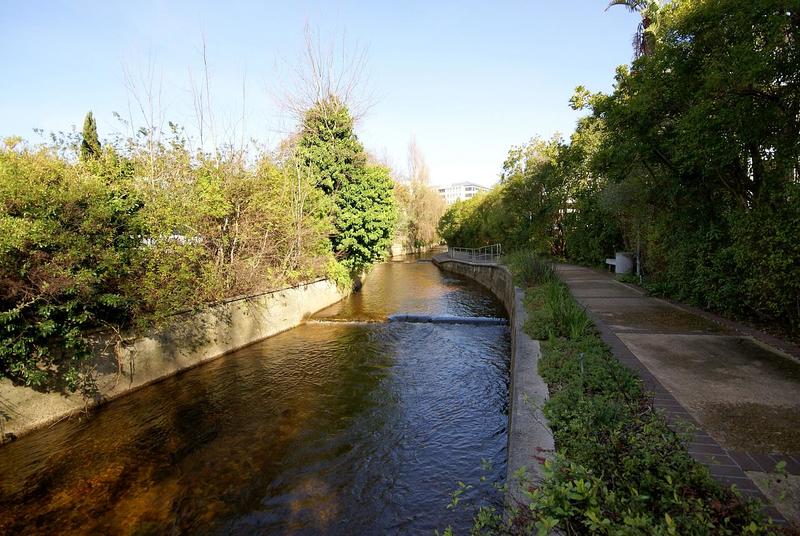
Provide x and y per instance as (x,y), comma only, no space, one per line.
(425,205)
(90,145)
(324,71)
(644,41)
(328,146)
(366,218)
(701,153)
(360,199)
(534,196)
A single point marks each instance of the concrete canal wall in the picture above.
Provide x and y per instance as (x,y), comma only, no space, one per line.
(530,440)
(125,363)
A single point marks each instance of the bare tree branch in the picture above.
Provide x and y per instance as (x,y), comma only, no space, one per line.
(322,72)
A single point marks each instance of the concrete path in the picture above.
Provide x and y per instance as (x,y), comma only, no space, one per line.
(740,388)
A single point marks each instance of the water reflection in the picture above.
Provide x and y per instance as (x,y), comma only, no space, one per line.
(414,287)
(326,429)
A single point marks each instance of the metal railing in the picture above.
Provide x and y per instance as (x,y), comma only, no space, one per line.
(488,254)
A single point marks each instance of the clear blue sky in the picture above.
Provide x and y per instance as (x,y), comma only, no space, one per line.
(466,79)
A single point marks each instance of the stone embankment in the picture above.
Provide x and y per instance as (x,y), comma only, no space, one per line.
(125,363)
(530,440)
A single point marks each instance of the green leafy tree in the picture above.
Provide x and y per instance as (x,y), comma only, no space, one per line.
(360,199)
(702,142)
(366,218)
(535,196)
(329,147)
(90,143)
(527,208)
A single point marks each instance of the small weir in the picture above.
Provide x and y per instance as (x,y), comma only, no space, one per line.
(361,421)
(445,319)
(422,319)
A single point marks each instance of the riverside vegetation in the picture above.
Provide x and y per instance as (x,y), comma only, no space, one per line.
(618,467)
(692,162)
(125,234)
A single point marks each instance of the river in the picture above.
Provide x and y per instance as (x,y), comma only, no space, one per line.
(345,425)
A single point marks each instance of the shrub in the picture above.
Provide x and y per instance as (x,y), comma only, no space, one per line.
(68,240)
(529,268)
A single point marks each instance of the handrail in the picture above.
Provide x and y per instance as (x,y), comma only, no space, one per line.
(487,254)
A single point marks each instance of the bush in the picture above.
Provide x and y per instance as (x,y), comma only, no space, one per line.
(68,240)
(620,469)
(529,268)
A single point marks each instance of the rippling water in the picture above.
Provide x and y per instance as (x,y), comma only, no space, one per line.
(329,428)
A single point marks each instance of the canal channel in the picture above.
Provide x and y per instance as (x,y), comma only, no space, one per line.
(347,424)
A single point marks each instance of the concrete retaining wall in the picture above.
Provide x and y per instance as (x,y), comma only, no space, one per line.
(530,440)
(188,340)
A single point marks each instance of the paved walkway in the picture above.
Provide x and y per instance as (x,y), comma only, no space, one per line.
(739,387)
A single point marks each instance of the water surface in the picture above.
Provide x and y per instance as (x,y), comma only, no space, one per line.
(330,428)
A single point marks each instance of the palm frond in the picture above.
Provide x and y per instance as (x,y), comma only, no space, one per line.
(632,5)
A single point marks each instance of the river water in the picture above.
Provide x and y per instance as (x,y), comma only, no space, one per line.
(344,425)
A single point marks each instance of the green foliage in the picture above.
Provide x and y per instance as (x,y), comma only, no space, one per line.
(620,469)
(67,243)
(471,223)
(359,198)
(691,162)
(555,313)
(526,210)
(172,277)
(457,222)
(90,143)
(591,231)
(701,153)
(339,274)
(136,231)
(328,146)
(366,218)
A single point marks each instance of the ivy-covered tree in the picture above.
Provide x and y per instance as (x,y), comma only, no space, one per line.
(328,146)
(361,204)
(366,218)
(90,144)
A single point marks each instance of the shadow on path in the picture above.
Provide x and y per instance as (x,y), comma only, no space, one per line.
(740,392)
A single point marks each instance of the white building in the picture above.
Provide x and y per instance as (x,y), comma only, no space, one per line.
(460,191)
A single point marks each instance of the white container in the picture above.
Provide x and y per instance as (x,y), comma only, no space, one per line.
(623,262)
